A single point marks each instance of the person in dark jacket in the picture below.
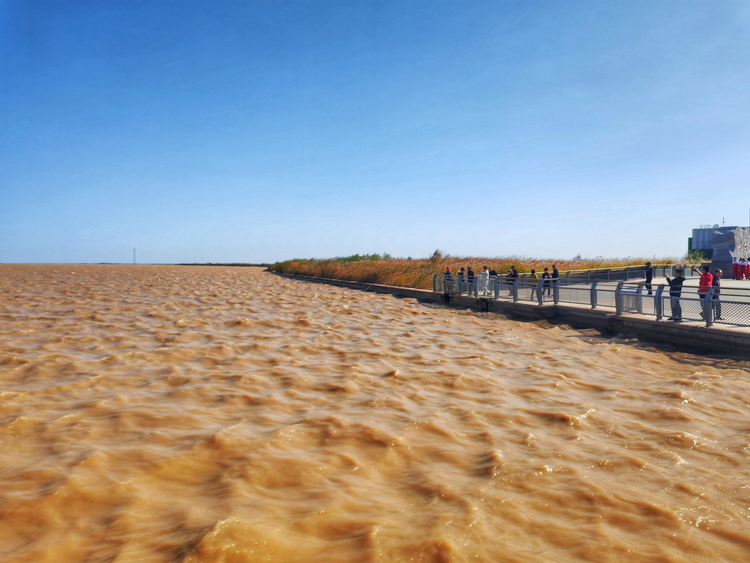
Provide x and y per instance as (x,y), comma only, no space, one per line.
(546,281)
(715,302)
(675,290)
(649,276)
(470,278)
(462,280)
(555,276)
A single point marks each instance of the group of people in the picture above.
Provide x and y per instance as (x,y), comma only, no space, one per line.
(467,275)
(706,281)
(740,269)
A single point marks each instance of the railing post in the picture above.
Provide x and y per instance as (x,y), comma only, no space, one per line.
(434,283)
(708,309)
(627,277)
(593,294)
(556,290)
(618,298)
(540,291)
(639,300)
(658,302)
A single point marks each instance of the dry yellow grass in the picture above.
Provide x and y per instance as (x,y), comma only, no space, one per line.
(418,273)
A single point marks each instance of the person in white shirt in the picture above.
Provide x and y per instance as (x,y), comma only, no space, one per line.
(484,277)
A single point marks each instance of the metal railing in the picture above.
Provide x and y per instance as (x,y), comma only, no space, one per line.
(729,306)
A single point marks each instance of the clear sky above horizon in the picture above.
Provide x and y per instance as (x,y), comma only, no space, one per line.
(258,131)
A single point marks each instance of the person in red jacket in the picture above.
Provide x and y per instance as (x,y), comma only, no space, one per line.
(704,284)
(735,268)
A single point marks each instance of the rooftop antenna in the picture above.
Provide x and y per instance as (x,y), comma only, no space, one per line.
(723,222)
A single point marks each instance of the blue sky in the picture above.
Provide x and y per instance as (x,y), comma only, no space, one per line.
(240,131)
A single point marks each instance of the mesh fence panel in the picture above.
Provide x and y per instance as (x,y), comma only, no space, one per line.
(569,294)
(450,285)
(605,298)
(683,308)
(731,312)
(505,289)
(439,284)
(527,291)
(528,294)
(639,304)
(548,293)
(649,305)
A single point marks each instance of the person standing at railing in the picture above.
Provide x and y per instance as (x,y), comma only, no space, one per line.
(484,277)
(447,279)
(546,277)
(512,278)
(744,269)
(716,303)
(555,274)
(493,280)
(649,276)
(533,280)
(735,268)
(470,278)
(675,290)
(704,283)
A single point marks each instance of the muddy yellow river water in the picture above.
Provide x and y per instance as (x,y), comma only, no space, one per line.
(208,414)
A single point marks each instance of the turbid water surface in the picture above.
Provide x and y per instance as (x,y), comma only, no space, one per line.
(164,414)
